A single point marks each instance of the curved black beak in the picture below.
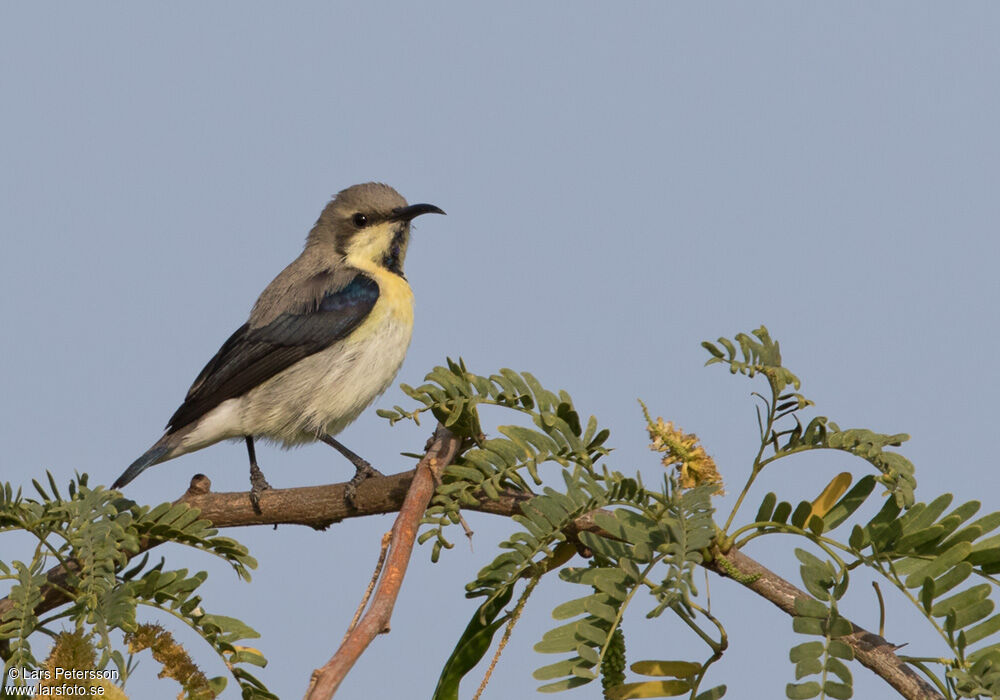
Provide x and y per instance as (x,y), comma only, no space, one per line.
(414,210)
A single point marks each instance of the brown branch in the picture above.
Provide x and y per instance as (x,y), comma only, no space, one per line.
(319,506)
(442,449)
(871,650)
(383,550)
(315,506)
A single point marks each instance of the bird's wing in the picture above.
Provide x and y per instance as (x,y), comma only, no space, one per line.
(251,356)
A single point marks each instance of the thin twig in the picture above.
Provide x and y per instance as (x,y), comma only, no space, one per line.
(518,609)
(386,538)
(326,680)
(468,530)
(881,608)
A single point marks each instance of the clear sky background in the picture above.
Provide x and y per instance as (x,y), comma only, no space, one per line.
(622,181)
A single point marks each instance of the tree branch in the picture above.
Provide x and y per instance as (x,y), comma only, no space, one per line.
(320,506)
(384,495)
(871,650)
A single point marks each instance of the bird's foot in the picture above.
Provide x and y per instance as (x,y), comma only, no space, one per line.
(258,485)
(364,471)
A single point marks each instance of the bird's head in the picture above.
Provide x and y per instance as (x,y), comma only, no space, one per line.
(368,223)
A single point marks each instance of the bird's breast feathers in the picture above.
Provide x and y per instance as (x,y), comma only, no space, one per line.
(395,298)
(327,390)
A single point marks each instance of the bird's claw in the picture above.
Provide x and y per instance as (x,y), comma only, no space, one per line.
(258,485)
(364,471)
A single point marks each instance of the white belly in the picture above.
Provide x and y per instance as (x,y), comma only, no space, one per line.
(324,392)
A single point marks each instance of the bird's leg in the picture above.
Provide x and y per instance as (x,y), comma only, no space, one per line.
(364,469)
(258,484)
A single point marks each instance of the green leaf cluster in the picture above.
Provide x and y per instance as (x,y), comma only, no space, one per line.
(498,465)
(757,353)
(934,554)
(653,546)
(930,552)
(676,525)
(818,616)
(92,533)
(945,560)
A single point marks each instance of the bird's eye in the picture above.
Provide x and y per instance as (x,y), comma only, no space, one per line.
(359,220)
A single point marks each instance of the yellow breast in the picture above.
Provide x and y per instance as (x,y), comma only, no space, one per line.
(395,298)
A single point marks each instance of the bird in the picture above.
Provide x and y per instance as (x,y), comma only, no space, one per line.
(325,338)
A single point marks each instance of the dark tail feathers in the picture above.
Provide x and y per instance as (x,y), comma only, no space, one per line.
(152,456)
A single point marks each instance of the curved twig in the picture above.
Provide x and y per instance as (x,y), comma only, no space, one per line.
(442,449)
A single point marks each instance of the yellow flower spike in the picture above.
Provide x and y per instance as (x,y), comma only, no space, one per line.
(682,452)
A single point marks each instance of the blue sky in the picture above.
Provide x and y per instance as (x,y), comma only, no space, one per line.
(622,181)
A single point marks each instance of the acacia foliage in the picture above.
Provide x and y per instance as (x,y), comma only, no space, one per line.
(651,538)
(93,533)
(644,547)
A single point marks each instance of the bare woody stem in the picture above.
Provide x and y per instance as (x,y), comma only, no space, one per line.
(441,450)
(871,650)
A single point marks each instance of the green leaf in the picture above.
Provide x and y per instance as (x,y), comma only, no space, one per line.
(588,654)
(648,689)
(850,502)
(920,518)
(217,684)
(927,594)
(801,514)
(919,538)
(806,650)
(810,560)
(817,575)
(808,607)
(801,691)
(713,350)
(888,513)
(472,645)
(808,625)
(985,552)
(712,694)
(837,691)
(959,516)
(807,667)
(937,566)
(839,627)
(839,669)
(565,684)
(781,512)
(973,613)
(840,650)
(960,601)
(557,670)
(601,610)
(957,575)
(814,583)
(982,630)
(989,654)
(857,540)
(245,655)
(561,639)
(766,508)
(570,609)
